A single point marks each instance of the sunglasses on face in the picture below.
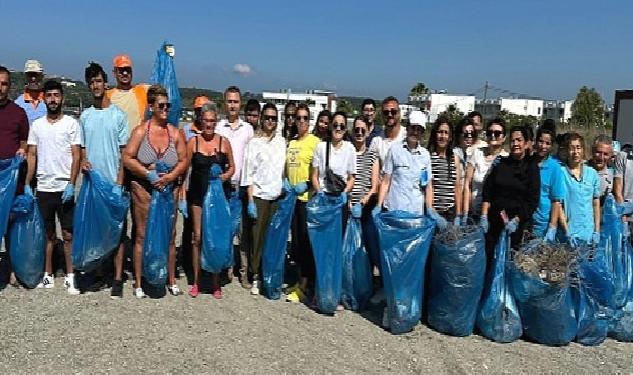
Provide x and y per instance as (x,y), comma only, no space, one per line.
(391,112)
(468,134)
(162,106)
(494,133)
(124,70)
(336,126)
(301,118)
(270,118)
(360,131)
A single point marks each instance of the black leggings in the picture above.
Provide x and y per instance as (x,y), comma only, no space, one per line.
(302,249)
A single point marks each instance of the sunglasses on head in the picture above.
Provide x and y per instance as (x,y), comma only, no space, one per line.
(388,112)
(360,131)
(336,126)
(468,134)
(269,118)
(163,105)
(301,118)
(494,133)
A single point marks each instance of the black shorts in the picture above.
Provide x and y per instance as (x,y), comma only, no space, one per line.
(50,204)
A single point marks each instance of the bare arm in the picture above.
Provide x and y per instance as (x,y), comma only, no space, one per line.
(31,158)
(596,215)
(470,170)
(226,146)
(350,183)
(375,182)
(314,178)
(121,174)
(74,166)
(384,189)
(617,189)
(458,186)
(555,214)
(85,163)
(130,160)
(428,195)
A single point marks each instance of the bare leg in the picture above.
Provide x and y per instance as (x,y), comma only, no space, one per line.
(171,260)
(141,205)
(68,248)
(118,263)
(196,218)
(50,241)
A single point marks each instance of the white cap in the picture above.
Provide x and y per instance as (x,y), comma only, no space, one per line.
(418,118)
(33,66)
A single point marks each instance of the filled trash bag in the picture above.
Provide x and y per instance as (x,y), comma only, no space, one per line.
(621,327)
(9,171)
(158,230)
(275,243)
(405,239)
(98,221)
(217,238)
(370,238)
(164,74)
(325,227)
(235,207)
(357,273)
(612,240)
(27,241)
(594,295)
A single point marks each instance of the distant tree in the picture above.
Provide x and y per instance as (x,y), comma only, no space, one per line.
(452,114)
(347,107)
(419,89)
(588,108)
(513,119)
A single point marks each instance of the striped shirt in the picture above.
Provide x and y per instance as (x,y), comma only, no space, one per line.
(362,181)
(444,178)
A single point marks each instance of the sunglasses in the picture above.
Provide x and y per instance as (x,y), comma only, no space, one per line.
(269,118)
(336,126)
(127,70)
(391,112)
(360,131)
(468,134)
(162,106)
(494,133)
(301,118)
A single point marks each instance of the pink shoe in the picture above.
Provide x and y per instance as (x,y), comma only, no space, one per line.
(217,294)
(193,292)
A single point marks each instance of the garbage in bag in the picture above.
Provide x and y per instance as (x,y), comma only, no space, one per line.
(612,241)
(98,221)
(164,74)
(325,229)
(499,318)
(540,281)
(357,274)
(28,241)
(274,250)
(621,327)
(235,207)
(405,239)
(158,230)
(9,170)
(217,238)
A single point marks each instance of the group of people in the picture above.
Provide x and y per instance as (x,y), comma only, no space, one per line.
(467,173)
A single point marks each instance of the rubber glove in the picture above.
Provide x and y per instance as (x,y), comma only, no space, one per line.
(215,171)
(343,197)
(28,191)
(550,236)
(573,242)
(286,187)
(376,211)
(440,221)
(182,207)
(357,211)
(252,210)
(626,232)
(457,221)
(512,225)
(320,195)
(152,176)
(483,223)
(595,238)
(625,208)
(301,188)
(69,193)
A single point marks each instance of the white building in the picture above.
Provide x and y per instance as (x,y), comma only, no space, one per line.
(435,104)
(524,107)
(317,100)
(558,110)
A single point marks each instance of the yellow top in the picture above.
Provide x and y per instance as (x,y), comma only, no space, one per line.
(133,102)
(298,160)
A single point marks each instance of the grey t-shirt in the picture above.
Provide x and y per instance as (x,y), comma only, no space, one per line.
(624,170)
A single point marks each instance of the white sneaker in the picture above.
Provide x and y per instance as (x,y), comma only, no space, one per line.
(69,283)
(174,290)
(378,297)
(48,282)
(255,288)
(138,292)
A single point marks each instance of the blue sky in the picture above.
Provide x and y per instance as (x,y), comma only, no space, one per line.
(364,48)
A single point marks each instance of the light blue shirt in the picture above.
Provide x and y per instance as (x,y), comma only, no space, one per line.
(578,201)
(31,113)
(103,133)
(552,189)
(405,166)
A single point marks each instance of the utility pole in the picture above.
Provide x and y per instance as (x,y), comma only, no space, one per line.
(485,91)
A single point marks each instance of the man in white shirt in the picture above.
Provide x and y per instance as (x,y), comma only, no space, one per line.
(54,153)
(238,132)
(393,131)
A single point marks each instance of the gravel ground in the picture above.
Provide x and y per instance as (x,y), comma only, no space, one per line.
(50,331)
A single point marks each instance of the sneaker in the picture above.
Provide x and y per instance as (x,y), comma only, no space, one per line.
(340,308)
(245,284)
(217,294)
(378,297)
(193,292)
(117,289)
(48,282)
(295,296)
(255,288)
(138,292)
(174,290)
(69,283)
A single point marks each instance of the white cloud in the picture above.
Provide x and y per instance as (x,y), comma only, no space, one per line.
(242,69)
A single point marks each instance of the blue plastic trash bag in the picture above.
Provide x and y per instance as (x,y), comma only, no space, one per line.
(357,274)
(275,243)
(9,170)
(611,240)
(164,74)
(325,229)
(158,232)
(458,267)
(499,318)
(98,222)
(235,207)
(28,241)
(621,328)
(217,238)
(405,239)
(547,309)
(594,295)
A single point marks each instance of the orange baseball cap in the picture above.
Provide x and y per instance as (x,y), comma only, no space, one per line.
(122,61)
(199,101)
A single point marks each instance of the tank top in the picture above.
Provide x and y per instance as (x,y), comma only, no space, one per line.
(148,154)
(200,164)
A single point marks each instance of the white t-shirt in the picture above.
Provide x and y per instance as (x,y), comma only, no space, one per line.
(481,168)
(264,162)
(54,155)
(342,161)
(381,145)
(238,138)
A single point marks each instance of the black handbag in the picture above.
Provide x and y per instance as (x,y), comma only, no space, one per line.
(334,183)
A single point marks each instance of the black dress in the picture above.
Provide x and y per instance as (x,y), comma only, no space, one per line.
(200,165)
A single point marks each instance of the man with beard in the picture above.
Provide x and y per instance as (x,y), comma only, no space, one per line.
(54,154)
(132,99)
(393,131)
(32,100)
(369,114)
(104,134)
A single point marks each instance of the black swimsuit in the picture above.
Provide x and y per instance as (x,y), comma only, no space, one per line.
(200,176)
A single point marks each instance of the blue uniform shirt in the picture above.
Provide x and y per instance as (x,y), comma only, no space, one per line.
(578,202)
(32,113)
(552,189)
(405,167)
